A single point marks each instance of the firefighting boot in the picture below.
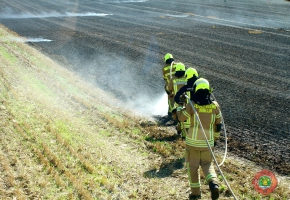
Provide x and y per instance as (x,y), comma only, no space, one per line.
(214,189)
(194,197)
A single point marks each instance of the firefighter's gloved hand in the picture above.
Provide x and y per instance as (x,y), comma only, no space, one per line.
(179,108)
(181,104)
(182,98)
(174,110)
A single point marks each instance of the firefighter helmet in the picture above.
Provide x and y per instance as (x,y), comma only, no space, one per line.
(190,72)
(202,92)
(179,67)
(168,56)
(202,83)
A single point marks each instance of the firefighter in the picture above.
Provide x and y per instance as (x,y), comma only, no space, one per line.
(198,153)
(191,76)
(168,70)
(175,83)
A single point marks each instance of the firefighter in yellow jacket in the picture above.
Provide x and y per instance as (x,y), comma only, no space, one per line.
(168,71)
(175,83)
(197,150)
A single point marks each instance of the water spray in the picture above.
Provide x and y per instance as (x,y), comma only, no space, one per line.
(218,166)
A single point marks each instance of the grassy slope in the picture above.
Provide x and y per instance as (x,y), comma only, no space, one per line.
(60,139)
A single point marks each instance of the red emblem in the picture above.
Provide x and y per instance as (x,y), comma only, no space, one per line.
(265,182)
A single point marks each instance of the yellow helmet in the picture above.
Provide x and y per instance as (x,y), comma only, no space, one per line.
(202,83)
(167,56)
(190,72)
(179,67)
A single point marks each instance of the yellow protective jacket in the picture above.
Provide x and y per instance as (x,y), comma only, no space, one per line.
(173,87)
(175,84)
(167,74)
(209,115)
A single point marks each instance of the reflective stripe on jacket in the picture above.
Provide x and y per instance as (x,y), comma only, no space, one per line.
(175,84)
(173,87)
(209,115)
(166,72)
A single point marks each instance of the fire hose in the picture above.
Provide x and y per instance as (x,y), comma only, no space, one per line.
(226,140)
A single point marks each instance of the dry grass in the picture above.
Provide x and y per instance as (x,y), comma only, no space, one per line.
(60,139)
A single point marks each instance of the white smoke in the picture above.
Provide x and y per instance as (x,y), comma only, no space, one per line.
(129,81)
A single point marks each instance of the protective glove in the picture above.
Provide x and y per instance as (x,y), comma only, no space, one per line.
(174,113)
(174,110)
(182,99)
(179,108)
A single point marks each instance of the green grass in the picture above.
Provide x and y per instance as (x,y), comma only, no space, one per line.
(10,58)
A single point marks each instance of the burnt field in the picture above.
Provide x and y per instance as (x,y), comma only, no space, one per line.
(243,49)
